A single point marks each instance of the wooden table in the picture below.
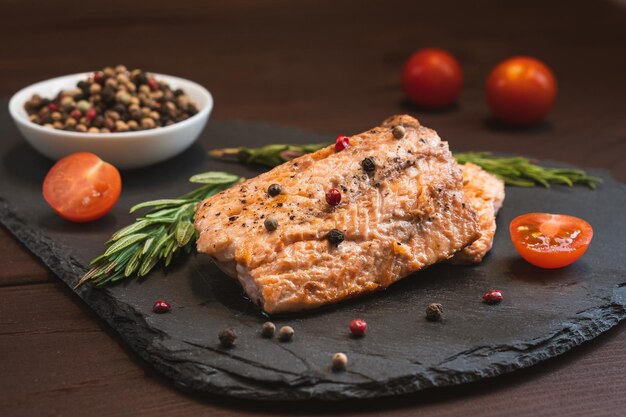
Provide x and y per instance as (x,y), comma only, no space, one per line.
(330,66)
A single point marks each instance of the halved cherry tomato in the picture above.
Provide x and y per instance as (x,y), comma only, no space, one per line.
(432,78)
(550,240)
(521,90)
(82,187)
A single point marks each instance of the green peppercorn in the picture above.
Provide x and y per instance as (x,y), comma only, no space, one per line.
(335,237)
(268,329)
(274,190)
(285,334)
(398,131)
(83,105)
(227,337)
(271,224)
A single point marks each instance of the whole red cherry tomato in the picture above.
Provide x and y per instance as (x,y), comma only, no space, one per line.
(521,90)
(432,78)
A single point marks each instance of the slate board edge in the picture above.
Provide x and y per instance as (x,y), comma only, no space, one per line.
(141,337)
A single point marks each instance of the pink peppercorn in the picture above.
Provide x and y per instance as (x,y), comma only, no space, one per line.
(154,86)
(98,77)
(341,143)
(91,113)
(358,327)
(76,114)
(493,296)
(161,306)
(333,197)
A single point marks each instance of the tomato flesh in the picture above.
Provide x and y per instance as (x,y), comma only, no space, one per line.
(432,78)
(521,90)
(82,187)
(550,240)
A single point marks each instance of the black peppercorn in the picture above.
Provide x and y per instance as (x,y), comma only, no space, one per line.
(227,337)
(108,95)
(271,224)
(434,311)
(368,164)
(335,237)
(274,189)
(268,329)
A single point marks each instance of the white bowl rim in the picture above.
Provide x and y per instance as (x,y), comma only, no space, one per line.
(149,133)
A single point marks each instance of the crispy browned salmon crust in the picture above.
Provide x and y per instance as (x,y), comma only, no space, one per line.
(407,213)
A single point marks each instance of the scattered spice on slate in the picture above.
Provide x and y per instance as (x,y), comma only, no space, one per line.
(335,237)
(271,224)
(285,334)
(398,132)
(274,189)
(268,329)
(358,327)
(227,337)
(333,197)
(340,361)
(368,164)
(434,311)
(493,296)
(161,306)
(112,100)
(341,143)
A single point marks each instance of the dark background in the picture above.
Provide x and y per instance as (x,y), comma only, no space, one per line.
(331,66)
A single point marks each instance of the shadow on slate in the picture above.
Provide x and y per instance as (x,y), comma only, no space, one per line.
(545,313)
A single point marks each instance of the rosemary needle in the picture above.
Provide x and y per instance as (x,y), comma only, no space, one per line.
(166,229)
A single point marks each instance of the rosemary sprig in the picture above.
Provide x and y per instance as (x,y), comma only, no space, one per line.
(522,172)
(518,171)
(165,230)
(269,155)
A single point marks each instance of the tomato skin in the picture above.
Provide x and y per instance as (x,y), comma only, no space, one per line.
(550,240)
(81,187)
(432,78)
(521,90)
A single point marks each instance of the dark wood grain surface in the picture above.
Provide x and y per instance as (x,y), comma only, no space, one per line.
(330,66)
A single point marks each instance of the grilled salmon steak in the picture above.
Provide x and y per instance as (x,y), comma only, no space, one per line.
(402,209)
(485,193)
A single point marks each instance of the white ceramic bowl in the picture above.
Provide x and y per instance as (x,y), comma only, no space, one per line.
(124,150)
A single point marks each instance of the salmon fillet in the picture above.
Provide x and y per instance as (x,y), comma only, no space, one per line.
(405,214)
(485,193)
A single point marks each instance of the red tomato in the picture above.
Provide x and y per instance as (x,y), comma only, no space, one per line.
(521,90)
(550,240)
(432,78)
(82,187)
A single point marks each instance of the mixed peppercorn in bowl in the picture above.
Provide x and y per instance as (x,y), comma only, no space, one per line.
(129,118)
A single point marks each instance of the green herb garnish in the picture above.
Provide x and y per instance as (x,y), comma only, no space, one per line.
(515,170)
(522,172)
(165,230)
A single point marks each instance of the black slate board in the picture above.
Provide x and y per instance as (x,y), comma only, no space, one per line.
(545,313)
